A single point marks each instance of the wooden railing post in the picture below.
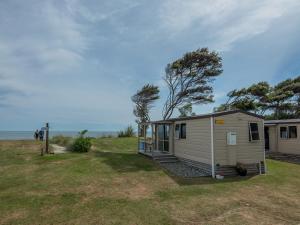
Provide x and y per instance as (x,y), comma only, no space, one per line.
(47,138)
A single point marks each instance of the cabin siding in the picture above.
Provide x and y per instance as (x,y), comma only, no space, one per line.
(244,151)
(197,145)
(290,145)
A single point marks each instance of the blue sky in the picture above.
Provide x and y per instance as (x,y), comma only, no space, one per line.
(76,63)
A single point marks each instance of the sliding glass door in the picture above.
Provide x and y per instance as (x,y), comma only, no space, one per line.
(163,137)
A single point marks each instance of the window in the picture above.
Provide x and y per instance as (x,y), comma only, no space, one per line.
(283,132)
(288,132)
(183,131)
(180,131)
(292,132)
(253,132)
(177,129)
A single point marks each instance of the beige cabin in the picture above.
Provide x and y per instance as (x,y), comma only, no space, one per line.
(282,136)
(213,142)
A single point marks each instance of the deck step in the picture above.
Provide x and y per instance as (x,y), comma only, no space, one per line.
(166,158)
(169,161)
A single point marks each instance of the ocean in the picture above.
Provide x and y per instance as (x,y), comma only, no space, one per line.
(28,135)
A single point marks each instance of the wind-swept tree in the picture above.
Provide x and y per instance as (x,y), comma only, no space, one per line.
(143,100)
(189,79)
(186,110)
(255,98)
(281,101)
(285,99)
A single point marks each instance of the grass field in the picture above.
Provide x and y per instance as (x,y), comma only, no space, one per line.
(114,185)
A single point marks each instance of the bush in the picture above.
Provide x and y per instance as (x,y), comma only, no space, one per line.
(82,143)
(241,169)
(61,140)
(128,132)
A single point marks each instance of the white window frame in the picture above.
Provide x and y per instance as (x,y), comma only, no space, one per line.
(178,132)
(181,130)
(288,132)
(250,132)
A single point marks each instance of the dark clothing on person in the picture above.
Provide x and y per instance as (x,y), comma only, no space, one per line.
(36,135)
(41,135)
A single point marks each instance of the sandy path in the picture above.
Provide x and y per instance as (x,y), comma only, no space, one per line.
(58,149)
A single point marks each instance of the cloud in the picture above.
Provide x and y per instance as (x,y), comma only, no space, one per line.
(224,22)
(78,62)
(94,12)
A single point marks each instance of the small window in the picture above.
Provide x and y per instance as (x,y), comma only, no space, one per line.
(292,132)
(253,132)
(283,132)
(183,131)
(177,129)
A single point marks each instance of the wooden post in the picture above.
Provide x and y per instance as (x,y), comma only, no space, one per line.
(138,133)
(145,140)
(47,138)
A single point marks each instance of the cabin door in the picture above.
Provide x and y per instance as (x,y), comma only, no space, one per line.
(163,137)
(267,139)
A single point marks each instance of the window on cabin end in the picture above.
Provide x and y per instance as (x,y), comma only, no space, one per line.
(180,131)
(253,132)
(183,131)
(177,131)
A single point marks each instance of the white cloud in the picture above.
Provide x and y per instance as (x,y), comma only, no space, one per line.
(224,21)
(93,12)
(80,61)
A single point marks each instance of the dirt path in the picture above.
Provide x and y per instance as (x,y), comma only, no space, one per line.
(58,149)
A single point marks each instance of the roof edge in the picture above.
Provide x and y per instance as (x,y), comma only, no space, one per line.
(216,114)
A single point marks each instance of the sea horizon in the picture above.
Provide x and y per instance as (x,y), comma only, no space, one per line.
(29,134)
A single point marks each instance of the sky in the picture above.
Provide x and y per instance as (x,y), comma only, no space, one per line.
(75,64)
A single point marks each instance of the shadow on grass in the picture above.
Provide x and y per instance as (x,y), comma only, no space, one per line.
(127,162)
(133,162)
(183,181)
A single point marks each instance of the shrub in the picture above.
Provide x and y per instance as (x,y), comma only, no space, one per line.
(128,132)
(241,169)
(61,140)
(82,143)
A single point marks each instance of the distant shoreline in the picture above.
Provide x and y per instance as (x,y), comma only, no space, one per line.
(28,135)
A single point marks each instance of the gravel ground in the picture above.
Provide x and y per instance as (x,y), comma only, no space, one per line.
(291,158)
(183,170)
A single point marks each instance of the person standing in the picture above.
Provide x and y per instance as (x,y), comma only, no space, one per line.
(36,135)
(41,135)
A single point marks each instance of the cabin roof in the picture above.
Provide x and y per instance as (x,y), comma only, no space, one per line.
(215,114)
(274,122)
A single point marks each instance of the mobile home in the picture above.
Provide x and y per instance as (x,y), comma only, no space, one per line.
(214,142)
(282,136)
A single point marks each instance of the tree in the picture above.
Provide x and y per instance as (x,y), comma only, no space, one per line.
(143,100)
(284,99)
(281,101)
(186,110)
(188,79)
(254,98)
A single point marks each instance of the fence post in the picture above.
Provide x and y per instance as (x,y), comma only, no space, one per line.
(47,138)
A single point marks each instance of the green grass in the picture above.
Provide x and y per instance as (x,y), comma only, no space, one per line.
(113,185)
